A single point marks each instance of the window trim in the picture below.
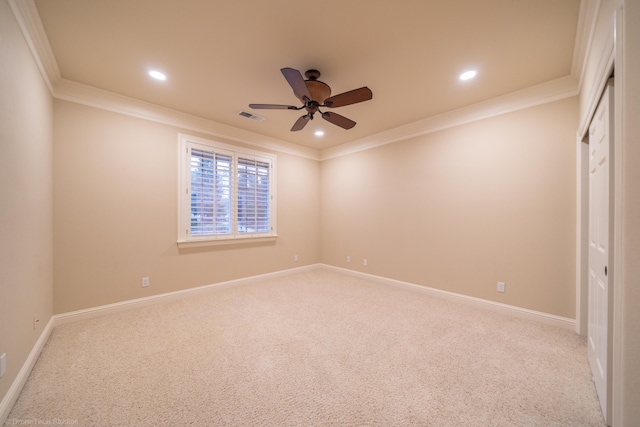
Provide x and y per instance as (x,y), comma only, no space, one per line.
(185,239)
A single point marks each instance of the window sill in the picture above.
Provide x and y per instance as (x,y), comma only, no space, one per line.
(226,242)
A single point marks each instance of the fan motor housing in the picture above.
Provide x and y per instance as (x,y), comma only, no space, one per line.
(319,90)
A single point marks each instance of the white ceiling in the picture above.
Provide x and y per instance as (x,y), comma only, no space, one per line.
(220,56)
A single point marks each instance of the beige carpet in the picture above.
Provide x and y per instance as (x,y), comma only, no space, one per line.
(315,348)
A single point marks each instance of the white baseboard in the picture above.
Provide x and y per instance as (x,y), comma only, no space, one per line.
(60,319)
(103,310)
(90,313)
(16,387)
(510,310)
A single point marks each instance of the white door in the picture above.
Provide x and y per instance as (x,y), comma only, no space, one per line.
(600,205)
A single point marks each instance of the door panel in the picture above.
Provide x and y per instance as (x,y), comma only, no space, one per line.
(600,292)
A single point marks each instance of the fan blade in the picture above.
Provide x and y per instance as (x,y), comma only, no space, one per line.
(338,120)
(272,107)
(296,81)
(300,123)
(348,98)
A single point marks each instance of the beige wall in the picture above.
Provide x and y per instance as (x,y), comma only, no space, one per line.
(115,214)
(464,208)
(25,199)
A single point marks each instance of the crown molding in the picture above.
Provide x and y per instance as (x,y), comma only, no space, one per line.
(587,20)
(79,93)
(536,95)
(28,19)
(554,90)
(605,65)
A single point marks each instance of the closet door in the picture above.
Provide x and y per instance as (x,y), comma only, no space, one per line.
(600,319)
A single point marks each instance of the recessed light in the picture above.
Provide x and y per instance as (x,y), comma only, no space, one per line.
(319,133)
(157,75)
(468,75)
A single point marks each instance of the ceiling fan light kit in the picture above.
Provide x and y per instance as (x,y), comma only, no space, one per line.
(314,95)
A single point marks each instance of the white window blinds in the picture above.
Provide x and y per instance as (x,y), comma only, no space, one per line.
(253,195)
(225,194)
(210,193)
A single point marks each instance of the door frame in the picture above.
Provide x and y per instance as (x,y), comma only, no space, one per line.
(610,58)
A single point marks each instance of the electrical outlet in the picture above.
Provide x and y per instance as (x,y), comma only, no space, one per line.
(500,286)
(295,258)
(365,261)
(348,258)
(145,282)
(3,364)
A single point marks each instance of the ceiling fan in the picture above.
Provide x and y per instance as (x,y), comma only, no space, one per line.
(315,94)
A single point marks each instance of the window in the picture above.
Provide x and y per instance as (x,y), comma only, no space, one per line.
(226,193)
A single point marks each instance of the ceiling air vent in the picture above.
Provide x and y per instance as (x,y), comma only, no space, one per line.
(251,116)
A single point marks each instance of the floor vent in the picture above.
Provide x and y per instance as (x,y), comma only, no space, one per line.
(251,116)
